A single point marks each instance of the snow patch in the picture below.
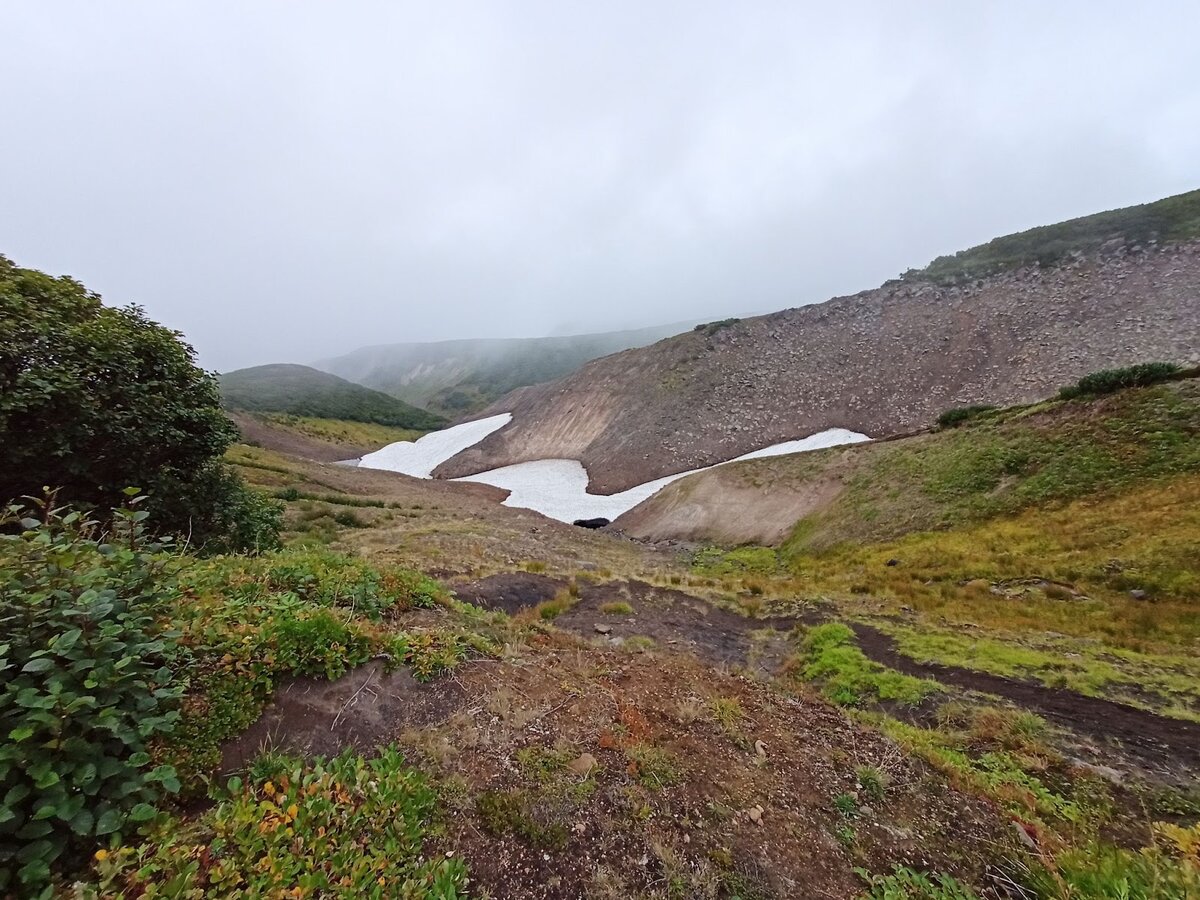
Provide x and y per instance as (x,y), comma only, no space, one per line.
(420,457)
(558,487)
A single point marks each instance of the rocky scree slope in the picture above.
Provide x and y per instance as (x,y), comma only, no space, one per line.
(883,362)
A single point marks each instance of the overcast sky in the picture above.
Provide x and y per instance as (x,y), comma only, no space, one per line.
(288,180)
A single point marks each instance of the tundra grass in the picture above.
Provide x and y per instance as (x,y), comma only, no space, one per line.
(342,431)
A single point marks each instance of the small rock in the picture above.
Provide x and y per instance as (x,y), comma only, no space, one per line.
(892,562)
(603,629)
(582,764)
(755,813)
(1025,837)
(761,749)
(1137,594)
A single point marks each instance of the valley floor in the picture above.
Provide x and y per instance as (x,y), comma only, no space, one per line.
(657,722)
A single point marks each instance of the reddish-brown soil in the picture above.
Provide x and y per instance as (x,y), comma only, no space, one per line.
(623,832)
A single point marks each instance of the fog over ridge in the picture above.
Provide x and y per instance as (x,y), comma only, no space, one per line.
(291,180)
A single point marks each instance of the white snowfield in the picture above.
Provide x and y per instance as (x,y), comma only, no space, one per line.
(420,457)
(557,487)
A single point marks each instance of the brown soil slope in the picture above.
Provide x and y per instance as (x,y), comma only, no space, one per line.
(880,362)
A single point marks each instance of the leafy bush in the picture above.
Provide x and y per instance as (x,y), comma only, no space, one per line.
(95,398)
(86,685)
(316,643)
(1108,381)
(905,884)
(959,414)
(362,823)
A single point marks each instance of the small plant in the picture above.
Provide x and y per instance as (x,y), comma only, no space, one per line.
(846,836)
(905,884)
(727,711)
(639,643)
(616,608)
(689,710)
(652,766)
(348,518)
(873,782)
(549,610)
(846,804)
(513,811)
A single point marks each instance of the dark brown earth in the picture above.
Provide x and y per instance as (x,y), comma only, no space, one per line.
(879,362)
(1162,744)
(362,710)
(509,591)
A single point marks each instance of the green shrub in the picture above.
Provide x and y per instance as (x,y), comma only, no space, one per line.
(362,822)
(94,398)
(959,414)
(86,685)
(905,884)
(1109,381)
(316,643)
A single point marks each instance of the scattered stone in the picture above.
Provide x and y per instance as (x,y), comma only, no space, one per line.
(761,749)
(582,764)
(1137,594)
(603,629)
(1108,773)
(1024,836)
(892,562)
(755,813)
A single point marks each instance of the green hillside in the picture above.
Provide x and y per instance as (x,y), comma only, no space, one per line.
(302,391)
(1171,219)
(457,378)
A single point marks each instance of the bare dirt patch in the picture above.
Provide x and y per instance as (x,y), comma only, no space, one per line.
(728,506)
(508,591)
(361,710)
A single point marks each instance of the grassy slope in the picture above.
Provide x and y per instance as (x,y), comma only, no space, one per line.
(997,464)
(1012,544)
(1171,219)
(301,391)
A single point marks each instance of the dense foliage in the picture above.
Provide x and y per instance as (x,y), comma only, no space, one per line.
(363,823)
(302,391)
(1109,381)
(1172,219)
(87,683)
(94,399)
(959,414)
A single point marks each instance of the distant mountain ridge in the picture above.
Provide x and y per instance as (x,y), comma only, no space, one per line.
(881,362)
(304,391)
(461,377)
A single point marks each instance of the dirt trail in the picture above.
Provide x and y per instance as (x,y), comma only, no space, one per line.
(1161,742)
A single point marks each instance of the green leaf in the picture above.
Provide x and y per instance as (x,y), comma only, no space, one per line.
(66,640)
(142,812)
(83,822)
(41,664)
(108,822)
(20,733)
